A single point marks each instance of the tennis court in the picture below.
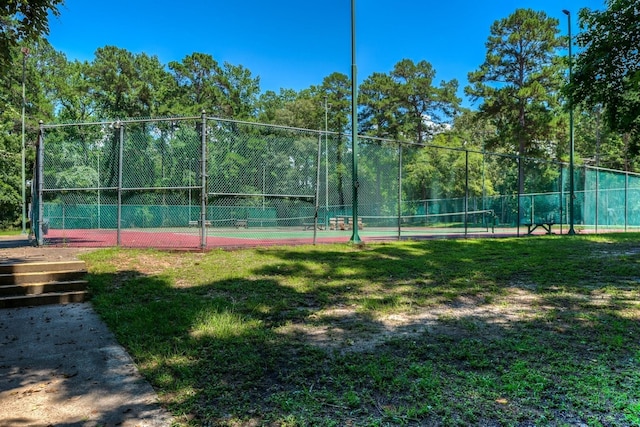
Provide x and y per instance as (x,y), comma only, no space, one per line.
(202,182)
(191,238)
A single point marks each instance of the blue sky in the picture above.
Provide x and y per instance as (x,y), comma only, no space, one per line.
(295,44)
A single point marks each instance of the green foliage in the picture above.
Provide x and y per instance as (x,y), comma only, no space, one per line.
(405,104)
(23,21)
(607,70)
(519,81)
(10,197)
(227,91)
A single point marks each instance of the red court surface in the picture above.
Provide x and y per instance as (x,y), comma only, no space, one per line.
(191,240)
(171,240)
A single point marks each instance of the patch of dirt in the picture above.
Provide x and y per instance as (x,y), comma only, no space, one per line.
(345,329)
(19,249)
(156,263)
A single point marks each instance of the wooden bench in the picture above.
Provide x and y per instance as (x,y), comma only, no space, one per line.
(198,223)
(546,225)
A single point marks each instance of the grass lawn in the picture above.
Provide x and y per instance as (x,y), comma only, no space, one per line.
(540,331)
(10,232)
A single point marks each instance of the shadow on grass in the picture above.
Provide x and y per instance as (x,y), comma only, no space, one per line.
(495,332)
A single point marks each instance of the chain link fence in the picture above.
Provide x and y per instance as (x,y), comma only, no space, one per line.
(198,182)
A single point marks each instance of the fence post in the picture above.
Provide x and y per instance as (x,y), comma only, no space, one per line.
(597,196)
(466,192)
(40,184)
(400,190)
(518,213)
(561,178)
(203,178)
(317,195)
(626,200)
(120,127)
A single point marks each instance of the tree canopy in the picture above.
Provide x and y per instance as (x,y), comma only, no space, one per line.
(21,21)
(520,80)
(607,70)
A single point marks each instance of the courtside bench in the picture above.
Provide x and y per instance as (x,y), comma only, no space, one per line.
(545,223)
(198,223)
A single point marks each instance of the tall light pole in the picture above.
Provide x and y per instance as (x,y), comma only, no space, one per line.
(571,140)
(355,238)
(25,52)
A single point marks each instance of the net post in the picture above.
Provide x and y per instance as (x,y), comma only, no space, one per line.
(203,178)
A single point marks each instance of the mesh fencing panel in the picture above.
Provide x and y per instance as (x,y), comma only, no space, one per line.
(204,182)
(261,177)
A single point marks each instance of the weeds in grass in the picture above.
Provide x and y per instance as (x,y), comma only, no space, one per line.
(539,331)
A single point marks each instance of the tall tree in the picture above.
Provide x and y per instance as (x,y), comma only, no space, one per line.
(10,200)
(337,88)
(22,22)
(270,102)
(405,103)
(228,91)
(37,106)
(607,70)
(519,81)
(240,90)
(380,115)
(72,92)
(421,103)
(126,84)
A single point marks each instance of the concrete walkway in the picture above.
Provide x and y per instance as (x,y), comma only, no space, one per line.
(61,366)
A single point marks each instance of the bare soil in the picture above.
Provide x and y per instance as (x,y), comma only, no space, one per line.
(21,249)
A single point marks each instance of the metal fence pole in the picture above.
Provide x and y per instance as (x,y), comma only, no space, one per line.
(120,126)
(400,190)
(466,192)
(355,238)
(326,163)
(317,195)
(597,196)
(40,186)
(561,194)
(626,200)
(519,159)
(203,191)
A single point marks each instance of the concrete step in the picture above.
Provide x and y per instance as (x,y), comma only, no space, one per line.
(42,299)
(41,283)
(43,288)
(35,267)
(40,277)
